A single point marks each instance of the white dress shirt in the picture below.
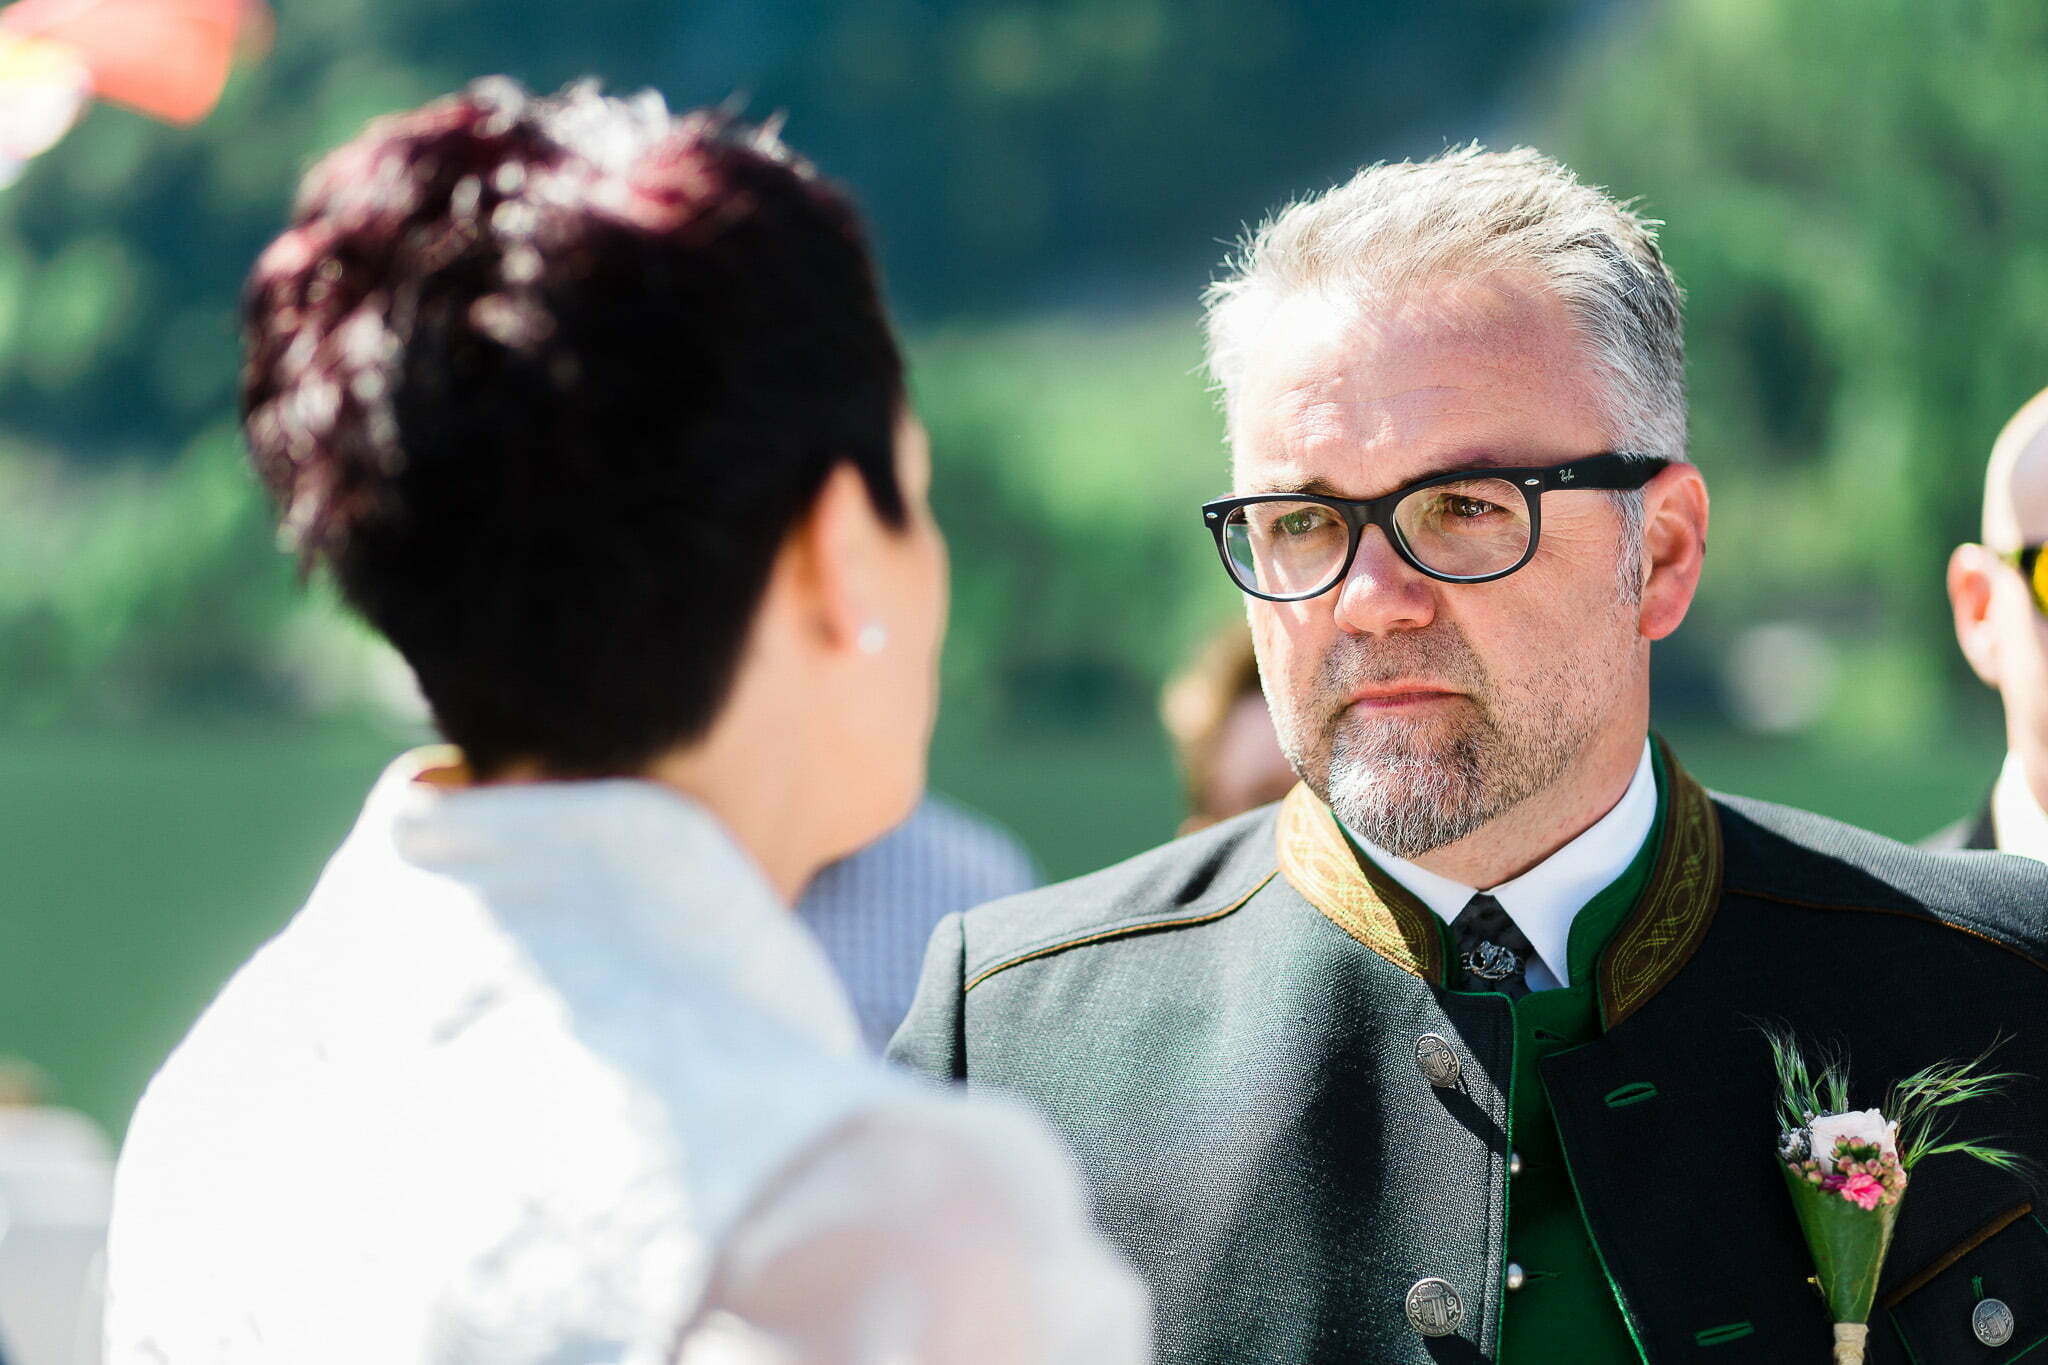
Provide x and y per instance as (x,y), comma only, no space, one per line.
(2017,820)
(545,1073)
(1545,900)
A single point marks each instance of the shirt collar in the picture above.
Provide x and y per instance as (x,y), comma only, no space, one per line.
(2016,817)
(1545,900)
(585,870)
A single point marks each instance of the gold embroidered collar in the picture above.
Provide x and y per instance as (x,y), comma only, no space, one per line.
(1659,937)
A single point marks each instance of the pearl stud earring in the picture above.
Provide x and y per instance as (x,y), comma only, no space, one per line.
(873,638)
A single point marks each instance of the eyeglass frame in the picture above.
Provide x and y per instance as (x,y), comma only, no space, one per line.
(1610,471)
(2024,559)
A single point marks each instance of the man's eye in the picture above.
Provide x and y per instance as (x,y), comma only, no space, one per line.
(1297,523)
(1469,508)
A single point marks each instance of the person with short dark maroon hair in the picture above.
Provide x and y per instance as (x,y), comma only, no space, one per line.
(595,413)
(546,385)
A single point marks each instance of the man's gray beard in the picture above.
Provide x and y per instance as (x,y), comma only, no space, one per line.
(1403,795)
(1414,785)
(1396,788)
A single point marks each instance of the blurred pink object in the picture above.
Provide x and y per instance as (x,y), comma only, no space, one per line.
(168,59)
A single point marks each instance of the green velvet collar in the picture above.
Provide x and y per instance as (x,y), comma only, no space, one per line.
(1655,939)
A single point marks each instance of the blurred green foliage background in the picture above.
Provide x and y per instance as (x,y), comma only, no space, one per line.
(1856,192)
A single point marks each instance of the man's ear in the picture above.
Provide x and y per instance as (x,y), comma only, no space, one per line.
(831,560)
(1970,586)
(1674,547)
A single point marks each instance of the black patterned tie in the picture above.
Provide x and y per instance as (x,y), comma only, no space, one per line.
(1493,955)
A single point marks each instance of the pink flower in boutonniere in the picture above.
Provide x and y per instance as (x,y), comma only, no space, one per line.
(1863,1190)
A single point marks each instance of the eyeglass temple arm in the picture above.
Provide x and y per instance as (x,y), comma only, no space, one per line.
(1615,472)
(2021,557)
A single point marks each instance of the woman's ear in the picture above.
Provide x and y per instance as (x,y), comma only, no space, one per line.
(1674,547)
(834,561)
(1970,570)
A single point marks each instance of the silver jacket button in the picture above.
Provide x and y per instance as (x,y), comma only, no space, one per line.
(1439,1064)
(1517,1277)
(1434,1308)
(1991,1321)
(1514,1163)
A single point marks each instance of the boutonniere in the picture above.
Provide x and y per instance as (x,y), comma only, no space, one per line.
(1848,1169)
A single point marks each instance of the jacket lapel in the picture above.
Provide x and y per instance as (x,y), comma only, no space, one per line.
(1676,908)
(1319,862)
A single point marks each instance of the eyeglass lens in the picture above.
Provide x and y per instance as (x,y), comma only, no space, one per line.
(1466,529)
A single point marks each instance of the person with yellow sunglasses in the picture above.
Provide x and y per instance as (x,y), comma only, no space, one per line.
(1999,591)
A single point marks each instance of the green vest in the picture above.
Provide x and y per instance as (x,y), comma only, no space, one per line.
(1565,1310)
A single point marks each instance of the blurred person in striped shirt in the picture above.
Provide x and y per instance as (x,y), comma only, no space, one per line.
(874,911)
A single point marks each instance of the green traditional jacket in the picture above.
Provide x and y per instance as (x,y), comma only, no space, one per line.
(1302,1138)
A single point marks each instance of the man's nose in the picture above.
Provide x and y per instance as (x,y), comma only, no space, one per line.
(1384,592)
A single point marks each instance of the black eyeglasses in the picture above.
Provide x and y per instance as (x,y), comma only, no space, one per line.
(1469,526)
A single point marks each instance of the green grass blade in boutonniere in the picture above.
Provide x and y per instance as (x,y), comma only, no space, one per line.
(1917,1102)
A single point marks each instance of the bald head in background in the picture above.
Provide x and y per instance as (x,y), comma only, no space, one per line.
(2004,634)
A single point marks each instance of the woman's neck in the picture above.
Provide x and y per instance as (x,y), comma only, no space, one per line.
(760,801)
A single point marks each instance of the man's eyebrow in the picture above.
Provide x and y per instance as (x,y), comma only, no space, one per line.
(1321,488)
(1475,461)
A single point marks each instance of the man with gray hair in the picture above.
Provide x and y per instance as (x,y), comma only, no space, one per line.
(1453,1054)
